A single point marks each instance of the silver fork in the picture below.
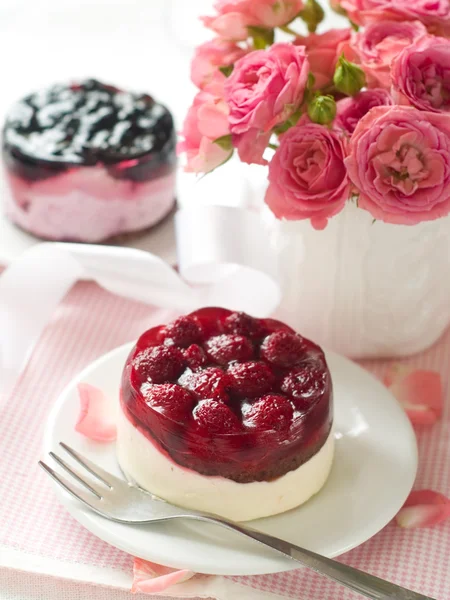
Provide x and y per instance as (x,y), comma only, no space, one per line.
(118,500)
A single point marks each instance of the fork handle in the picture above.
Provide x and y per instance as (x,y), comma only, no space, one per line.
(365,584)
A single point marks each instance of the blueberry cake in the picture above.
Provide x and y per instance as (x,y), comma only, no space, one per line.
(228,414)
(87,161)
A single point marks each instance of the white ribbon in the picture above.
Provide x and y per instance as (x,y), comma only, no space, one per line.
(224,260)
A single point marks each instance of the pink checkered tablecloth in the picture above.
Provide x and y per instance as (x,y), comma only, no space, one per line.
(90,322)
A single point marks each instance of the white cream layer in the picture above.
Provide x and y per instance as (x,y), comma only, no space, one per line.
(140,458)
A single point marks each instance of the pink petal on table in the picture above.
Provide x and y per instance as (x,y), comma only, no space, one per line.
(423,508)
(150,578)
(418,391)
(96,419)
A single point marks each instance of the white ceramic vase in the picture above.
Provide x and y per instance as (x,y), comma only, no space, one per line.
(364,288)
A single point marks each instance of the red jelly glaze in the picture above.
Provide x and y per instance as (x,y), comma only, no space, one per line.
(250,406)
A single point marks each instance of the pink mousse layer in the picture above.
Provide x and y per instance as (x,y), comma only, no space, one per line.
(86,204)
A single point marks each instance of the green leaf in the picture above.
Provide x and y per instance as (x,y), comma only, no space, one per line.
(279,129)
(311,80)
(293,120)
(295,117)
(261,37)
(224,142)
(226,70)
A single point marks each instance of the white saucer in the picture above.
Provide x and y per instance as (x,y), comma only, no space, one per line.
(374,470)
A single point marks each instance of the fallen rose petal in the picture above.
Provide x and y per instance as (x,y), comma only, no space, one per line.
(423,508)
(418,391)
(95,420)
(425,497)
(150,578)
(425,515)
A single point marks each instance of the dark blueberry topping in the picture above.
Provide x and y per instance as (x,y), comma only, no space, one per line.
(88,122)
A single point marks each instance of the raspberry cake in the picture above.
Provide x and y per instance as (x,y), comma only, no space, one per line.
(86,162)
(227,414)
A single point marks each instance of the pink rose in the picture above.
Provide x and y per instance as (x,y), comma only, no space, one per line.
(349,111)
(234,16)
(264,90)
(307,175)
(323,51)
(210,56)
(206,121)
(379,43)
(435,15)
(400,162)
(421,75)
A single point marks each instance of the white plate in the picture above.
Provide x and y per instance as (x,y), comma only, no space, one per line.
(373,472)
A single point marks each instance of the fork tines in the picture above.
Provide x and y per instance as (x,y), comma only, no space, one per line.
(94,479)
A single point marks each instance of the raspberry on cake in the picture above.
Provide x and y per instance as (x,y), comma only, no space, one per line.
(223,349)
(210,382)
(159,363)
(169,399)
(271,412)
(195,357)
(228,414)
(87,161)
